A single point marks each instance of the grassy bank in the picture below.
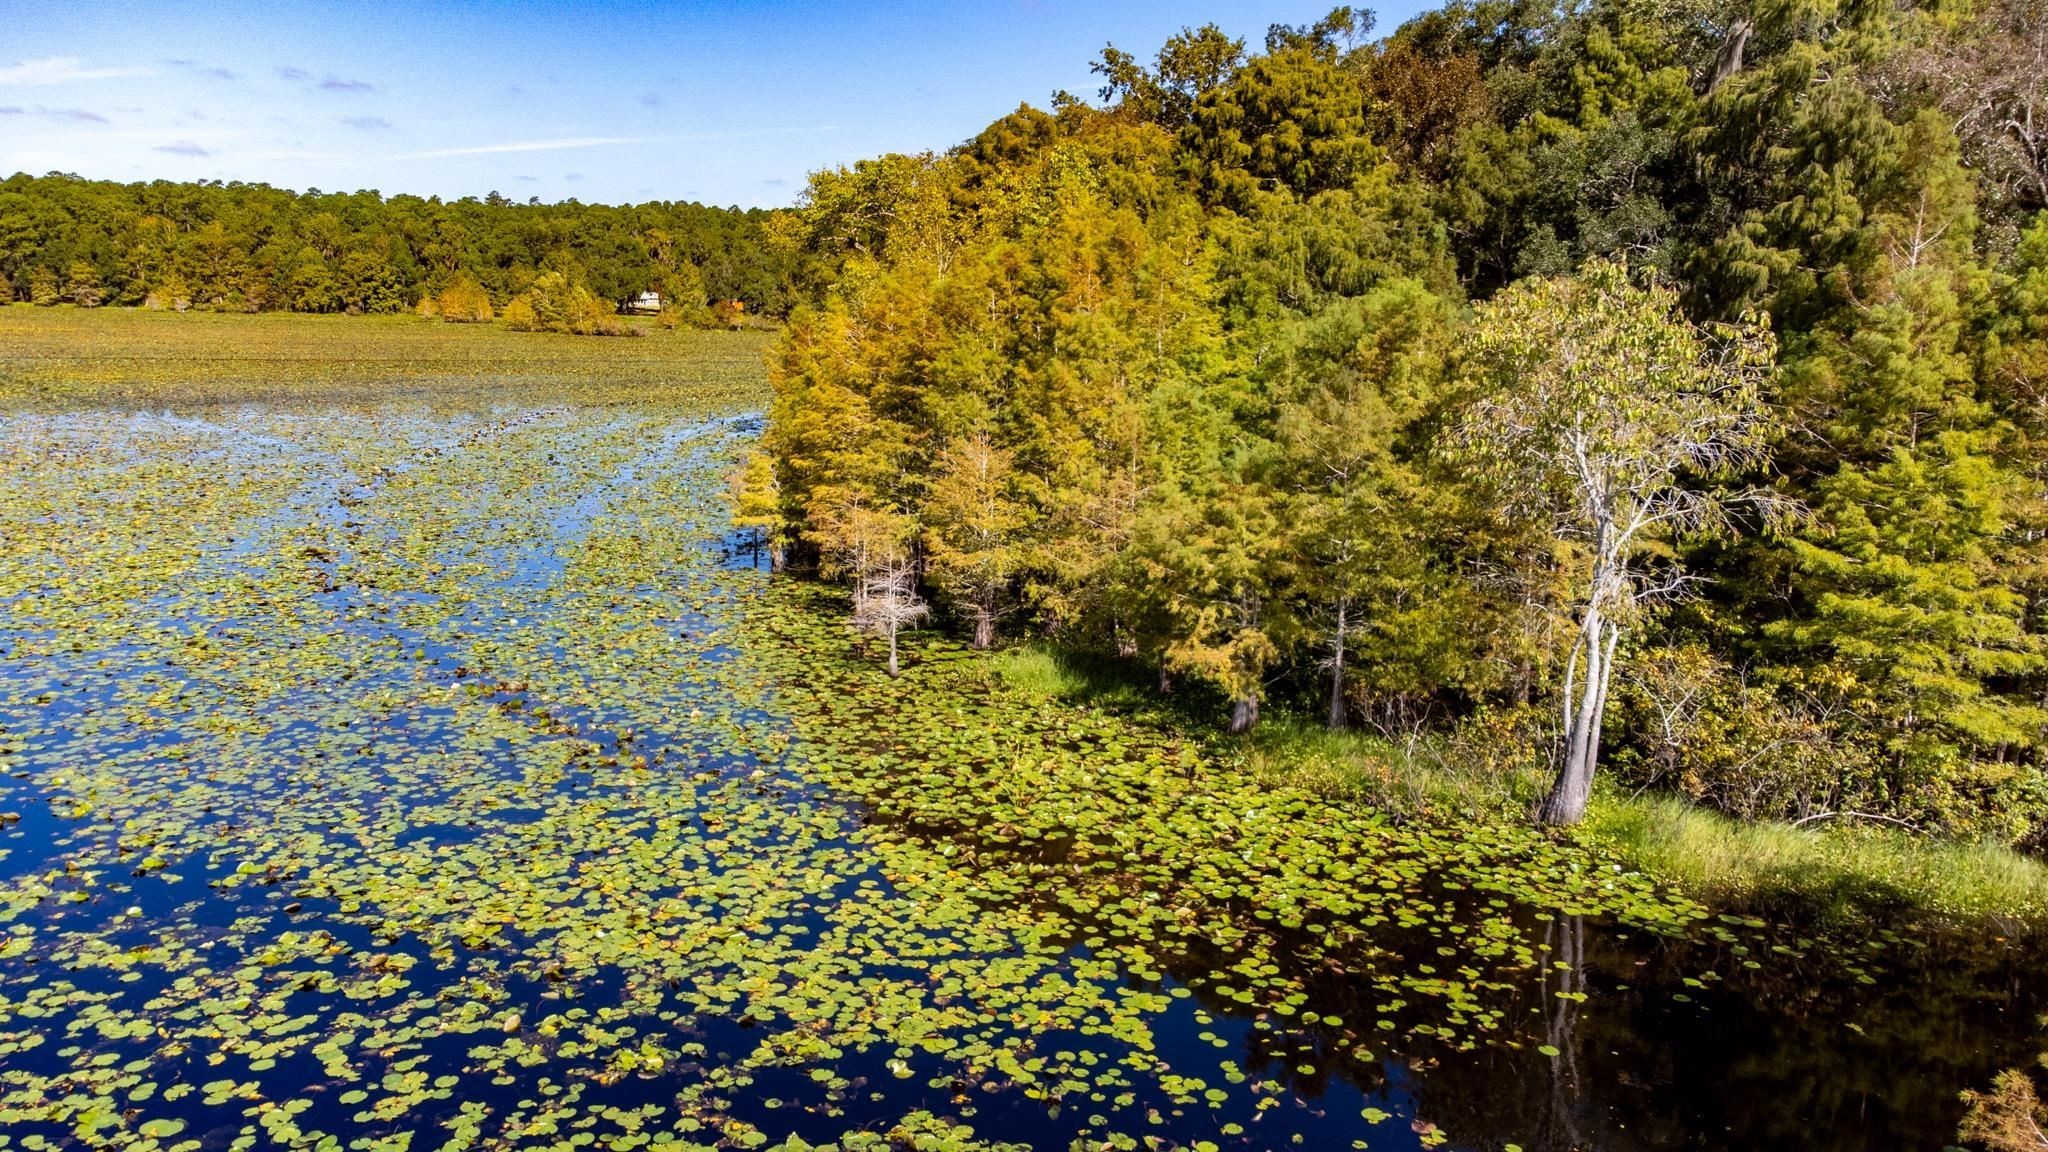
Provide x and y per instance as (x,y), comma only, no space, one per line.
(1836,873)
(64,355)
(1833,873)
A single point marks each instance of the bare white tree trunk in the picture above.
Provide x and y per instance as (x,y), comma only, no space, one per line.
(1598,638)
(1337,646)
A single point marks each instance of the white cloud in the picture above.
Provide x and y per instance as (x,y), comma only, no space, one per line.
(59,70)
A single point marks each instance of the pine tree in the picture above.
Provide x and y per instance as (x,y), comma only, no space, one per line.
(42,286)
(1355,508)
(83,285)
(974,526)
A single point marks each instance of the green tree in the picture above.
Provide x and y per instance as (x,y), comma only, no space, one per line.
(1357,508)
(464,300)
(1292,119)
(82,286)
(974,531)
(1593,401)
(556,303)
(42,286)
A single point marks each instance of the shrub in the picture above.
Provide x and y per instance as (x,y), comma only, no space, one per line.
(171,293)
(729,313)
(1796,748)
(2009,1118)
(42,287)
(84,285)
(519,316)
(554,303)
(464,301)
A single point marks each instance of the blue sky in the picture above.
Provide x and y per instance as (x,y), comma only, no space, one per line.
(727,103)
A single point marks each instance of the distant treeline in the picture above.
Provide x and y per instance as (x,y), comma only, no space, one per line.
(1433,378)
(251,247)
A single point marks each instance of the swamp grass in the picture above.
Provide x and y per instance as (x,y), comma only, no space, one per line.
(1834,874)
(65,356)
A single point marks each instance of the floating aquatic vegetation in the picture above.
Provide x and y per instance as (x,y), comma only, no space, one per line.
(439,775)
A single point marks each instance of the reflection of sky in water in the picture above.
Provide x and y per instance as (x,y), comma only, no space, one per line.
(339,737)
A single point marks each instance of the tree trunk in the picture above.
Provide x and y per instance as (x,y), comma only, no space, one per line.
(892,651)
(1728,61)
(775,558)
(1243,714)
(1336,714)
(1600,705)
(1566,803)
(984,628)
(1165,679)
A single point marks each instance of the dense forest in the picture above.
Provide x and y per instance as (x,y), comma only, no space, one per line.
(1656,384)
(251,247)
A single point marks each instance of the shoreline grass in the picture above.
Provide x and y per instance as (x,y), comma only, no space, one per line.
(66,356)
(1830,875)
(1835,874)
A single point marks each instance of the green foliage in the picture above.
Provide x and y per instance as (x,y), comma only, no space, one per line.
(1844,875)
(2010,1117)
(464,301)
(250,247)
(1292,119)
(1211,346)
(82,286)
(42,287)
(555,303)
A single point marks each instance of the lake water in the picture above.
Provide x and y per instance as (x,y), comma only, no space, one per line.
(430,777)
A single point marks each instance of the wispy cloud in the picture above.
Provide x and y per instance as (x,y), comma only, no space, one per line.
(651,99)
(574,177)
(338,84)
(59,70)
(79,115)
(567,142)
(182,148)
(367,123)
(12,111)
(526,146)
(214,70)
(290,73)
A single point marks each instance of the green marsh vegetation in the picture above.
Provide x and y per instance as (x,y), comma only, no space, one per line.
(1502,387)
(1641,397)
(72,356)
(1835,876)
(447,774)
(1622,416)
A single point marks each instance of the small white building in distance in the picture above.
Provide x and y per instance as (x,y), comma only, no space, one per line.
(648,302)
